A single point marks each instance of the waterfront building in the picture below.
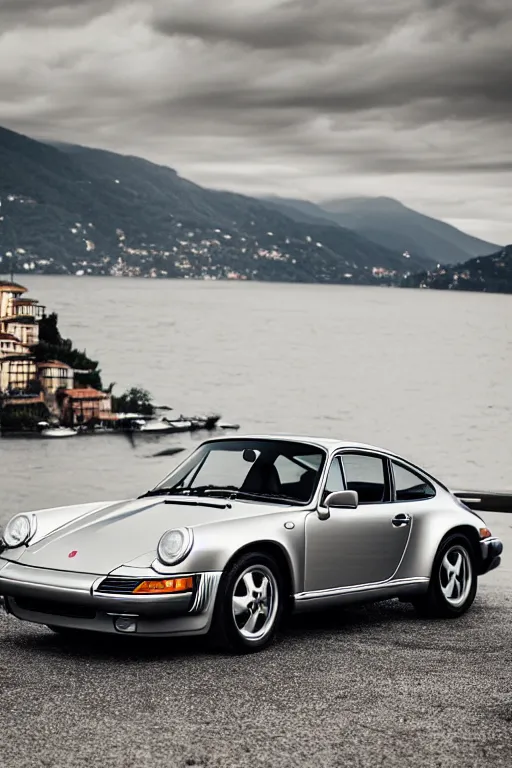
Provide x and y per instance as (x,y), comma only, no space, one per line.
(17,373)
(26,329)
(9,292)
(81,405)
(54,375)
(25,381)
(21,377)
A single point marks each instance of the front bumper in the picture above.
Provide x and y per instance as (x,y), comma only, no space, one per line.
(68,599)
(490,550)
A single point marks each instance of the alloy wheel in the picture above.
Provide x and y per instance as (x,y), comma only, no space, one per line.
(456,575)
(255,602)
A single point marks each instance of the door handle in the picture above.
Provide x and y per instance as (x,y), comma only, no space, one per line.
(401,519)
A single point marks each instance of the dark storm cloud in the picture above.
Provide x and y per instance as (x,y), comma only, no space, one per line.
(292,24)
(472,16)
(306,24)
(444,75)
(426,89)
(28,13)
(23,8)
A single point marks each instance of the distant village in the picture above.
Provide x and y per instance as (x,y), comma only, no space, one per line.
(191,254)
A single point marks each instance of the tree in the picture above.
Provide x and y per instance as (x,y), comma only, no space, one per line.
(52,346)
(134,400)
(23,418)
(48,330)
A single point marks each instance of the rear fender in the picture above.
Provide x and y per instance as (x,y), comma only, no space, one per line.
(429,529)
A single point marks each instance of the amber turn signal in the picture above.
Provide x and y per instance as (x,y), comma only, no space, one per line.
(165,586)
(485,533)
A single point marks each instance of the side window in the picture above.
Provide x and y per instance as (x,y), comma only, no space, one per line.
(334,480)
(365,474)
(409,486)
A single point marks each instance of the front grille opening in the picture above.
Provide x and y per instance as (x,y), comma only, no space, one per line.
(116,585)
(55,608)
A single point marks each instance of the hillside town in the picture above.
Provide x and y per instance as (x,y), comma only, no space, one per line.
(41,387)
(49,387)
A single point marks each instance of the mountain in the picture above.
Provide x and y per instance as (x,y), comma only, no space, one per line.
(492,274)
(69,209)
(392,225)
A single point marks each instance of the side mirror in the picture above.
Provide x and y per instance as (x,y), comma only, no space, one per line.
(339,500)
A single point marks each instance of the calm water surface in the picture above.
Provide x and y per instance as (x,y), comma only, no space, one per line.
(424,373)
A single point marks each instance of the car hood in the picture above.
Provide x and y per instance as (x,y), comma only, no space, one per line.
(100,539)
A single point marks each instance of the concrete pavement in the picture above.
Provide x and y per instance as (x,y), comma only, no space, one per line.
(368,687)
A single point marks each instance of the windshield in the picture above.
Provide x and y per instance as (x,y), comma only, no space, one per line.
(279,471)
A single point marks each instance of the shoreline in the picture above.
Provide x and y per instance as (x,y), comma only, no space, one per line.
(376,283)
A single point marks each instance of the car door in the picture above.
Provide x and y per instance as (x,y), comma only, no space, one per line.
(414,499)
(356,546)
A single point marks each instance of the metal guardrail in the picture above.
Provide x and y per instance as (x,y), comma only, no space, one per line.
(486,501)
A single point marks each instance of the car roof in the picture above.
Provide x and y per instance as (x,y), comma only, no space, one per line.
(329,443)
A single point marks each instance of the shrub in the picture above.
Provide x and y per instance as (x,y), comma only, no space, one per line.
(135,400)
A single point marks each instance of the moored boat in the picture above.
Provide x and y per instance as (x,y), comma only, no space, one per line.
(180,425)
(154,425)
(58,432)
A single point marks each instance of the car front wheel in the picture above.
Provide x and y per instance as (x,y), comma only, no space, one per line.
(453,582)
(249,604)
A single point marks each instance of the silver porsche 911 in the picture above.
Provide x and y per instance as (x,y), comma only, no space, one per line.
(242,532)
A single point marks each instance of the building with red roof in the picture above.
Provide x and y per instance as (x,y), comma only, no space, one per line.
(81,405)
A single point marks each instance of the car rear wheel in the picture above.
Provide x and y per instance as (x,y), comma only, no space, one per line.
(453,582)
(249,604)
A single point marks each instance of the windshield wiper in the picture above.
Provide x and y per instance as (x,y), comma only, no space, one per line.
(234,493)
(223,492)
(278,497)
(252,495)
(197,491)
(156,492)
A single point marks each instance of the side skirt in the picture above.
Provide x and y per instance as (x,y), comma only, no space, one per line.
(362,593)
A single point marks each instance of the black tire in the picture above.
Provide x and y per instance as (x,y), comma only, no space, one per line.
(435,604)
(226,631)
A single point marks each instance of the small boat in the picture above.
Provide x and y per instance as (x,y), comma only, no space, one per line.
(179,425)
(204,422)
(227,425)
(58,432)
(155,425)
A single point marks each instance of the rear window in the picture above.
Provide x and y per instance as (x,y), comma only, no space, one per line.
(409,486)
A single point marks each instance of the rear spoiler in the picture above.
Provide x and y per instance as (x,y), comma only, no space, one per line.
(485,501)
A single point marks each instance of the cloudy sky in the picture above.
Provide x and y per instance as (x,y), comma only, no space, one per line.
(308,98)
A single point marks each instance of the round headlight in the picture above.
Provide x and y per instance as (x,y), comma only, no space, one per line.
(19,530)
(175,545)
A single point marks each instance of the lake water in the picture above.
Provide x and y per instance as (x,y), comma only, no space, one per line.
(424,373)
